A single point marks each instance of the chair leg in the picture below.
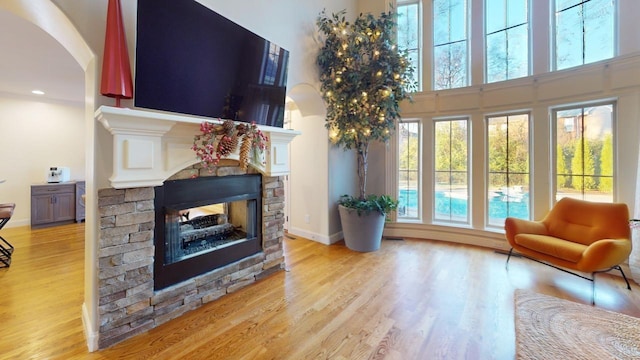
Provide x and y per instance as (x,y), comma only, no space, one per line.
(506,265)
(593,288)
(623,276)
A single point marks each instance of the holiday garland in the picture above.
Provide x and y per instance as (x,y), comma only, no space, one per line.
(218,141)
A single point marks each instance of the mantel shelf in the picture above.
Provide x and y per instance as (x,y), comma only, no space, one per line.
(149,147)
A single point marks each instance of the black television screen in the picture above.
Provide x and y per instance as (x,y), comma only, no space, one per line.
(191,60)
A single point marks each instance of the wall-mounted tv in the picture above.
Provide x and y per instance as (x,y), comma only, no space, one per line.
(191,60)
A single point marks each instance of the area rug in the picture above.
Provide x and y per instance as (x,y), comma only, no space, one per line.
(552,328)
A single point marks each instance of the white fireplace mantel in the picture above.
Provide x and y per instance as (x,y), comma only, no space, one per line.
(149,147)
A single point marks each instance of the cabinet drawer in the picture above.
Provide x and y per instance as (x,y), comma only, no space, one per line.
(53,189)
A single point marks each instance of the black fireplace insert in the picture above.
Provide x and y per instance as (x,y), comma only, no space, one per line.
(205,223)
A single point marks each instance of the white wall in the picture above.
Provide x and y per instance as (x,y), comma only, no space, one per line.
(309,169)
(35,136)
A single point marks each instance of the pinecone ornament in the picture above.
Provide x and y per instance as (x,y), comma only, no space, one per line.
(245,151)
(227,145)
(228,126)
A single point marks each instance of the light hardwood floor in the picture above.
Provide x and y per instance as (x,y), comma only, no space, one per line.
(413,299)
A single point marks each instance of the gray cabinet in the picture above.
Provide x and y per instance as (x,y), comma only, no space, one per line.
(53,204)
(80,207)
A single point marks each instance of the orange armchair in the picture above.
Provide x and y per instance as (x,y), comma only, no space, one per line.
(578,235)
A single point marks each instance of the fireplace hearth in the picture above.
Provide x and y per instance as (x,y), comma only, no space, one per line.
(205,223)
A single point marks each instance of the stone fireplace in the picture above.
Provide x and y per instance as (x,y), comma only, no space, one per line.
(173,240)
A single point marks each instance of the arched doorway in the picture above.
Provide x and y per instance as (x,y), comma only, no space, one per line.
(45,15)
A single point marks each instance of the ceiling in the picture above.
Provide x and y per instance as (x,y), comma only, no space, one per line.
(31,59)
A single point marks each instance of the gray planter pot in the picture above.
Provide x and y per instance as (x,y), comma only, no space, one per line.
(361,233)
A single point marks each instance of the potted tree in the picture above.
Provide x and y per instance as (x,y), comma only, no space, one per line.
(364,77)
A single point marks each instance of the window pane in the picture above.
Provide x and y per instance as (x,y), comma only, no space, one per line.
(409,37)
(598,30)
(458,20)
(496,17)
(449,21)
(497,57)
(563,4)
(568,38)
(450,66)
(441,22)
(507,40)
(518,144)
(508,155)
(584,33)
(408,26)
(584,153)
(408,170)
(518,60)
(518,12)
(450,44)
(451,176)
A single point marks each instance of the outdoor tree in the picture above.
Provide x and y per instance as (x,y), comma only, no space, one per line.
(583,164)
(408,158)
(606,164)
(450,66)
(450,44)
(451,151)
(561,168)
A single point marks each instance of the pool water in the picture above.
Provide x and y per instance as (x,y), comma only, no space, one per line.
(452,207)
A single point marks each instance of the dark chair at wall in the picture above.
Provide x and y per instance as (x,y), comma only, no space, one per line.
(6,249)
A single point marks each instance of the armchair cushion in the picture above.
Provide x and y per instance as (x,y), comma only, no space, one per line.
(552,246)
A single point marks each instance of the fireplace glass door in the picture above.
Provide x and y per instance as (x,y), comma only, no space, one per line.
(205,223)
(194,231)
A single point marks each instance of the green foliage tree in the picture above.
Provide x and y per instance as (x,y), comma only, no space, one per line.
(583,166)
(590,182)
(561,168)
(518,151)
(451,154)
(364,77)
(409,153)
(509,150)
(606,164)
(577,168)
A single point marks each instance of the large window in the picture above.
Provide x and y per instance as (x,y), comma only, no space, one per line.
(450,47)
(507,39)
(409,170)
(508,157)
(584,152)
(584,31)
(451,159)
(409,26)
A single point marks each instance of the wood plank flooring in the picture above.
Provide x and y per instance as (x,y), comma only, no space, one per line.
(413,299)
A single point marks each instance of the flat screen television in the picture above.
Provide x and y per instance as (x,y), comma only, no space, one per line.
(192,60)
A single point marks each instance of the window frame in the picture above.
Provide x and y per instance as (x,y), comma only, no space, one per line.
(467,42)
(419,171)
(554,143)
(488,172)
(527,24)
(419,34)
(553,41)
(434,172)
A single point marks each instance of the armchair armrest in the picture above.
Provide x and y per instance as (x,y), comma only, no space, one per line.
(604,254)
(514,226)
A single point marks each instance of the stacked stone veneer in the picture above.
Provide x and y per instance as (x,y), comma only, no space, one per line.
(128,304)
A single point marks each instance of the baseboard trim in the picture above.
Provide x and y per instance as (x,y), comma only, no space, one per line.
(323,239)
(90,335)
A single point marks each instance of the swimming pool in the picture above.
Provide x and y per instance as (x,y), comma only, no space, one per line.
(450,206)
